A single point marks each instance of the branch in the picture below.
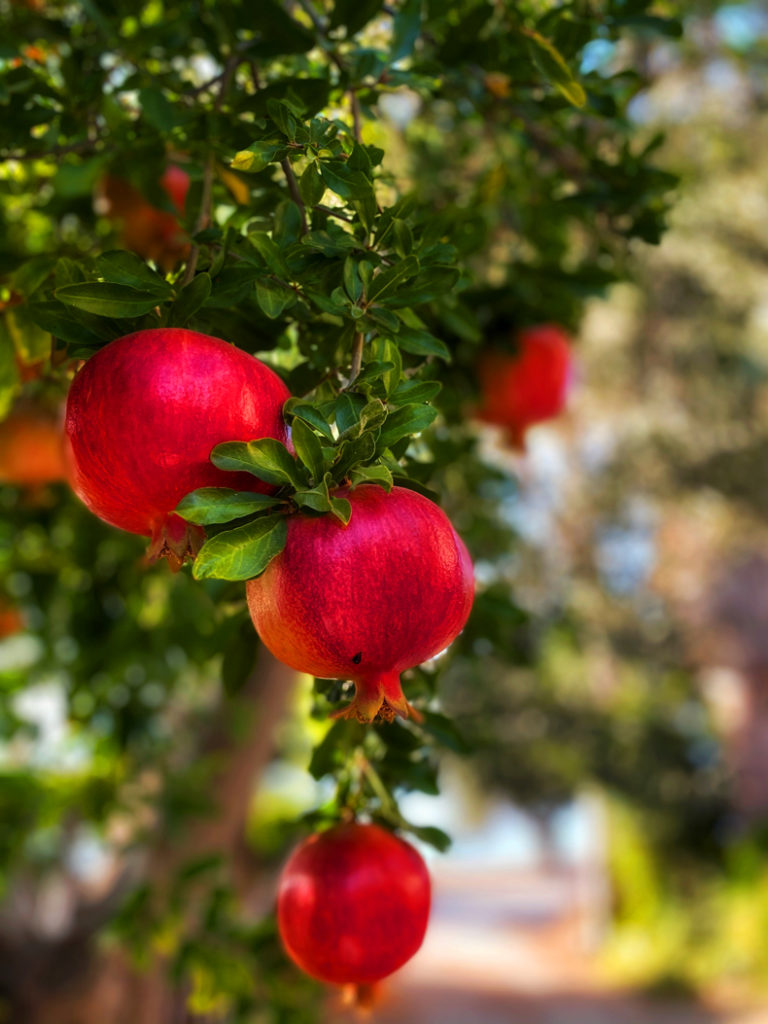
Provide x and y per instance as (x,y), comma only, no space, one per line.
(293,188)
(203,220)
(357,124)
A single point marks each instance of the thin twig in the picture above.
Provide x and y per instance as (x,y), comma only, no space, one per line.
(293,188)
(357,356)
(203,220)
(332,212)
(357,124)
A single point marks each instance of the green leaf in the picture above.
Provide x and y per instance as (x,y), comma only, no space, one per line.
(269,252)
(306,412)
(9,372)
(410,392)
(308,448)
(552,65)
(158,110)
(354,14)
(242,553)
(352,453)
(344,182)
(191,297)
(56,318)
(258,156)
(422,343)
(282,117)
(432,835)
(352,283)
(342,509)
(121,267)
(316,498)
(311,185)
(407,29)
(116,300)
(347,413)
(266,458)
(403,238)
(31,274)
(273,297)
(371,475)
(390,278)
(410,419)
(220,505)
(385,318)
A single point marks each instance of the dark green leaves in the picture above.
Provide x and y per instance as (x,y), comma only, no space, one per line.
(267,459)
(344,181)
(242,553)
(115,300)
(554,68)
(220,505)
(390,278)
(308,448)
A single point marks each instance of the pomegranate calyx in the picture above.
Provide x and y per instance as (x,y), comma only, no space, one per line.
(175,540)
(379,698)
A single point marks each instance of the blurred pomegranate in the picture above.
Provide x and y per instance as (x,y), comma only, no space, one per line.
(32,446)
(528,386)
(150,232)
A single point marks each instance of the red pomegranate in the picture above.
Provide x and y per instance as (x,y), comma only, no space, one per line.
(353,904)
(142,417)
(152,233)
(32,446)
(527,387)
(368,600)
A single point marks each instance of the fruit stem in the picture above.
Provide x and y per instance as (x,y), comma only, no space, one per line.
(203,219)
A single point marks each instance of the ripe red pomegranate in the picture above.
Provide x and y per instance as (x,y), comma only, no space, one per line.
(152,233)
(142,417)
(368,600)
(32,446)
(527,387)
(353,904)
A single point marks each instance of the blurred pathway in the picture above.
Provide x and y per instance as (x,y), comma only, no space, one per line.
(508,948)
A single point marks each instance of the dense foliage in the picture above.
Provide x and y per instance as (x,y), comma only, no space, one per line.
(377,195)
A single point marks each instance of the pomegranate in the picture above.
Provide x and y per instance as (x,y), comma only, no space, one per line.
(152,233)
(527,387)
(11,621)
(353,904)
(142,417)
(32,446)
(367,600)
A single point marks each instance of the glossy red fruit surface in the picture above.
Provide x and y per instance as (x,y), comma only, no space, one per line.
(529,386)
(368,600)
(32,446)
(353,904)
(143,415)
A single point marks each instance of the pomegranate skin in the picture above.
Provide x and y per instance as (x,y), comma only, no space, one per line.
(142,417)
(368,600)
(353,904)
(528,387)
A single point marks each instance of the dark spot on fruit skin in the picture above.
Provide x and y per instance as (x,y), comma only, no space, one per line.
(358,658)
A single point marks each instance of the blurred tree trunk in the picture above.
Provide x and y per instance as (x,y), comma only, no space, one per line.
(68,980)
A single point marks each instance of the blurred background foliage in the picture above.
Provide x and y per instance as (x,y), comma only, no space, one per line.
(616,642)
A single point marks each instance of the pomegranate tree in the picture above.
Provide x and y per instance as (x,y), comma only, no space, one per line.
(529,386)
(367,600)
(142,417)
(353,904)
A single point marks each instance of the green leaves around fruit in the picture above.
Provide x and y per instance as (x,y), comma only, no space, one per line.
(221,505)
(244,552)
